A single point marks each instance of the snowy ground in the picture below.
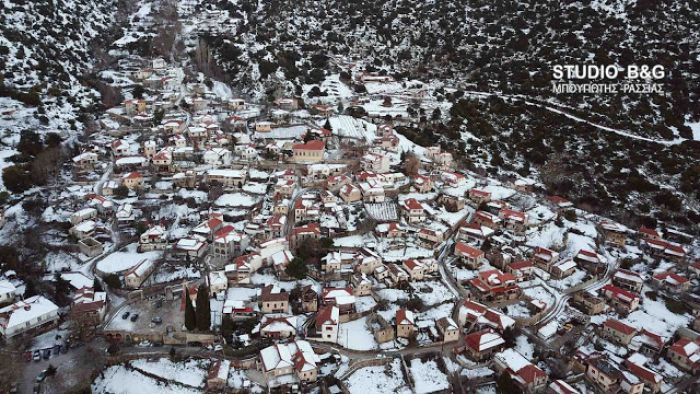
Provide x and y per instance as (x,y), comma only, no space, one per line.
(427,376)
(570,281)
(125,259)
(437,312)
(119,379)
(540,293)
(191,372)
(432,292)
(653,316)
(524,346)
(349,127)
(518,310)
(236,200)
(378,380)
(356,336)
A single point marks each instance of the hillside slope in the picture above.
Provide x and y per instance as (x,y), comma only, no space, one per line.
(631,155)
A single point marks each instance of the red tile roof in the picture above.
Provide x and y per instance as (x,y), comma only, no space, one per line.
(324,316)
(619,326)
(530,373)
(644,374)
(468,250)
(412,203)
(403,317)
(311,145)
(618,292)
(679,279)
(518,265)
(480,193)
(649,231)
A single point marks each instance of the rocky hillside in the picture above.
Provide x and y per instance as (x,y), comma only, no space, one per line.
(628,154)
(506,46)
(46,46)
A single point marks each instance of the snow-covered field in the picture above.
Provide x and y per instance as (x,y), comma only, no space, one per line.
(653,316)
(282,133)
(378,380)
(356,336)
(437,312)
(236,200)
(432,292)
(191,372)
(427,377)
(119,379)
(349,127)
(124,259)
(540,293)
(382,212)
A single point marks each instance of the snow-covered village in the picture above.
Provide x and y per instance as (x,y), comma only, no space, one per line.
(201,237)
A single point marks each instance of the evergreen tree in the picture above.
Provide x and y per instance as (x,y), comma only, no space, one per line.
(30,289)
(190,317)
(227,327)
(506,385)
(138,91)
(96,285)
(203,308)
(113,281)
(17,178)
(61,290)
(327,125)
(296,268)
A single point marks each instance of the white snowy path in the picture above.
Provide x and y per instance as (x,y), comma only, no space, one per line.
(550,108)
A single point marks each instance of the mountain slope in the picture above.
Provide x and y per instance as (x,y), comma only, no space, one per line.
(46,47)
(630,155)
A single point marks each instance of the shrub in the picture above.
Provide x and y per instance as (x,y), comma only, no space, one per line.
(570,215)
(113,281)
(17,178)
(675,306)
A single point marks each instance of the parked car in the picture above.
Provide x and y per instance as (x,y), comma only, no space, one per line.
(144,344)
(157,320)
(37,355)
(125,315)
(47,354)
(51,370)
(41,376)
(134,317)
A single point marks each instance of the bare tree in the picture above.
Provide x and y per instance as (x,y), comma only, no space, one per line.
(46,165)
(12,365)
(411,164)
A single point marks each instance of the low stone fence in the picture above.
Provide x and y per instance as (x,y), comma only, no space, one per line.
(529,321)
(581,285)
(359,364)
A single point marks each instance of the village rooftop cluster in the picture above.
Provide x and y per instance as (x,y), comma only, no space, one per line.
(228,245)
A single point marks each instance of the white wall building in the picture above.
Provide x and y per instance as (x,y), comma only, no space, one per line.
(23,316)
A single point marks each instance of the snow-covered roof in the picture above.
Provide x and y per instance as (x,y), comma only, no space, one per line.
(6,287)
(23,312)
